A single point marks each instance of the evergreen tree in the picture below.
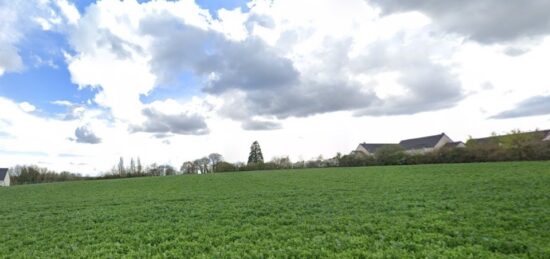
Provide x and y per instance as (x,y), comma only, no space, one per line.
(255,155)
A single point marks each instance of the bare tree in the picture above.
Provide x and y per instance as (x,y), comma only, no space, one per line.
(197,164)
(215,159)
(139,167)
(132,170)
(189,167)
(204,162)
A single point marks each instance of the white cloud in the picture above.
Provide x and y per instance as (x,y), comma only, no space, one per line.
(18,18)
(27,107)
(69,11)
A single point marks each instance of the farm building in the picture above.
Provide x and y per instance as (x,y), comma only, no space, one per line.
(370,148)
(415,145)
(4,177)
(425,144)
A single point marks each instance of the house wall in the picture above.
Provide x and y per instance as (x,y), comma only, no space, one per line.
(6,181)
(360,148)
(444,140)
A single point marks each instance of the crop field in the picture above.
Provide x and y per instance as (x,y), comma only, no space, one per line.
(458,210)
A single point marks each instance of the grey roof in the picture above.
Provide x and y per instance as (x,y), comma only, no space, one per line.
(3,172)
(372,147)
(419,143)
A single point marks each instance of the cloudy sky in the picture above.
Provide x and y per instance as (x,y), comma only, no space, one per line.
(84,82)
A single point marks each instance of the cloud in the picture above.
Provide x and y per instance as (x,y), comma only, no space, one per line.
(68,10)
(536,105)
(247,64)
(27,107)
(422,83)
(262,63)
(17,19)
(261,125)
(85,135)
(161,123)
(10,35)
(515,51)
(481,21)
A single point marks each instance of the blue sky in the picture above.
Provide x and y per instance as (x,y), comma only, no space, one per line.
(45,77)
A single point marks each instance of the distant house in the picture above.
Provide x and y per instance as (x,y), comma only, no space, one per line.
(425,144)
(4,177)
(370,148)
(415,145)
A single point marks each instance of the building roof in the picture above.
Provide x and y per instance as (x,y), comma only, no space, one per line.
(423,142)
(3,173)
(372,147)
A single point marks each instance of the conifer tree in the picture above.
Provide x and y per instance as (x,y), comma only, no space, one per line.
(255,155)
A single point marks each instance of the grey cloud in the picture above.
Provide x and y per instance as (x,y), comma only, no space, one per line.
(250,64)
(486,21)
(261,20)
(261,125)
(431,89)
(162,124)
(255,80)
(537,105)
(85,135)
(430,86)
(10,60)
(305,100)
(121,48)
(515,51)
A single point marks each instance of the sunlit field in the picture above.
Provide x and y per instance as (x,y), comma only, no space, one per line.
(458,210)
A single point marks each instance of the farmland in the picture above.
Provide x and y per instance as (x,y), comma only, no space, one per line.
(451,210)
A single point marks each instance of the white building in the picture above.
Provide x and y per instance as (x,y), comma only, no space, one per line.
(4,177)
(370,148)
(425,144)
(413,146)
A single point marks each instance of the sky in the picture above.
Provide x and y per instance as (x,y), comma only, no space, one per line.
(85,82)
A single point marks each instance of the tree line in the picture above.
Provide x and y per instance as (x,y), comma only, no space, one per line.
(516,146)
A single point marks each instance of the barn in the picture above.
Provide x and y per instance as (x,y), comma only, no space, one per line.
(4,177)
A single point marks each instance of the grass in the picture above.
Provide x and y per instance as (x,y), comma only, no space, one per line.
(459,210)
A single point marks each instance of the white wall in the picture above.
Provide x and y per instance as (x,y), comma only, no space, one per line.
(360,148)
(6,181)
(444,140)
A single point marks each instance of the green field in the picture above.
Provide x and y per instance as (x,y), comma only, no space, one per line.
(460,210)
